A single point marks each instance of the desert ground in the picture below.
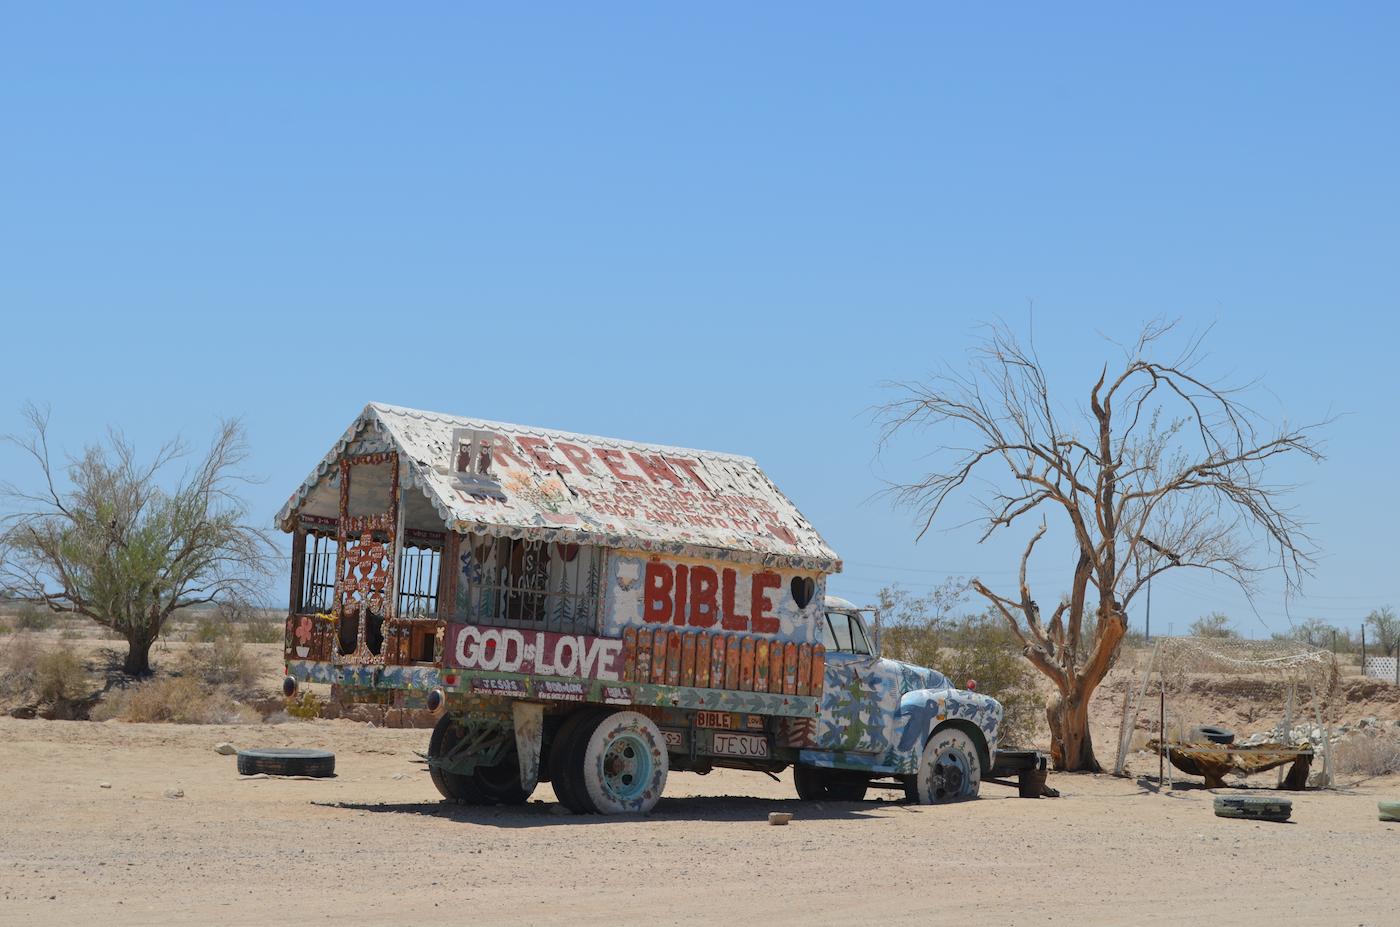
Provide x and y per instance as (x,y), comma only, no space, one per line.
(375,844)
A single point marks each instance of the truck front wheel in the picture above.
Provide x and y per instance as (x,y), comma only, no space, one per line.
(950,768)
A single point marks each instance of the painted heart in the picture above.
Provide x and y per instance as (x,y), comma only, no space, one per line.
(803,588)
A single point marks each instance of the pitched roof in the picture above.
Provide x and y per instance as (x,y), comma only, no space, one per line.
(571,488)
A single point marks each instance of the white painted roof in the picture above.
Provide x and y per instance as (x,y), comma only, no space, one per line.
(571,488)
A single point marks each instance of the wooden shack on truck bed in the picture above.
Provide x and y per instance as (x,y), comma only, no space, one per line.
(517,579)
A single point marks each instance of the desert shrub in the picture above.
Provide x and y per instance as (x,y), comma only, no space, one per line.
(1367,755)
(1314,632)
(5,627)
(208,629)
(1385,629)
(71,634)
(60,673)
(31,617)
(306,708)
(19,667)
(32,672)
(176,699)
(222,663)
(1213,625)
(263,628)
(910,625)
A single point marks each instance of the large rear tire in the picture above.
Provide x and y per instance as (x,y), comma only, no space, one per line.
(451,785)
(561,776)
(619,763)
(500,784)
(487,785)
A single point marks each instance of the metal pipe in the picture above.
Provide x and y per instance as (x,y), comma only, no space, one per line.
(1162,738)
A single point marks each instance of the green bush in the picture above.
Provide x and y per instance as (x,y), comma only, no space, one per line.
(60,674)
(306,708)
(982,647)
(263,628)
(31,617)
(208,629)
(1213,625)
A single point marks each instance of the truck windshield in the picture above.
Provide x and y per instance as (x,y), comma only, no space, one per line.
(845,634)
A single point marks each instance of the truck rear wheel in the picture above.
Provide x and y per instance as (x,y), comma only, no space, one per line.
(561,775)
(486,785)
(619,763)
(452,786)
(500,784)
(816,784)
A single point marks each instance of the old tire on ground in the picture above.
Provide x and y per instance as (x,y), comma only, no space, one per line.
(451,785)
(817,784)
(620,763)
(950,768)
(286,761)
(1254,808)
(1216,735)
(561,775)
(1389,810)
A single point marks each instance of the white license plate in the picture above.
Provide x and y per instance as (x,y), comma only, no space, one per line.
(739,745)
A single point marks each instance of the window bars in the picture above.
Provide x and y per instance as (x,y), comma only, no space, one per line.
(318,575)
(529,584)
(418,582)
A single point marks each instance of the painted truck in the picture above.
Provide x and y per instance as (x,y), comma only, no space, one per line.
(596,613)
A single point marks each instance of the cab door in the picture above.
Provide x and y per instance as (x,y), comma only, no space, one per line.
(860,693)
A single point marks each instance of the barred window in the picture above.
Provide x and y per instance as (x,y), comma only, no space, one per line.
(419,574)
(318,573)
(529,584)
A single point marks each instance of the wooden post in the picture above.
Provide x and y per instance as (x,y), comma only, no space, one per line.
(447,576)
(1123,726)
(294,598)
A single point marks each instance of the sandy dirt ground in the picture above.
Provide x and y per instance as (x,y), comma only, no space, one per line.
(374,845)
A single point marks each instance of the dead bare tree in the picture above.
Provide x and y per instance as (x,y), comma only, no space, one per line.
(123,550)
(1143,490)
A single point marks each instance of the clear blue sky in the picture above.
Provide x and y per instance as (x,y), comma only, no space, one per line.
(717,226)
